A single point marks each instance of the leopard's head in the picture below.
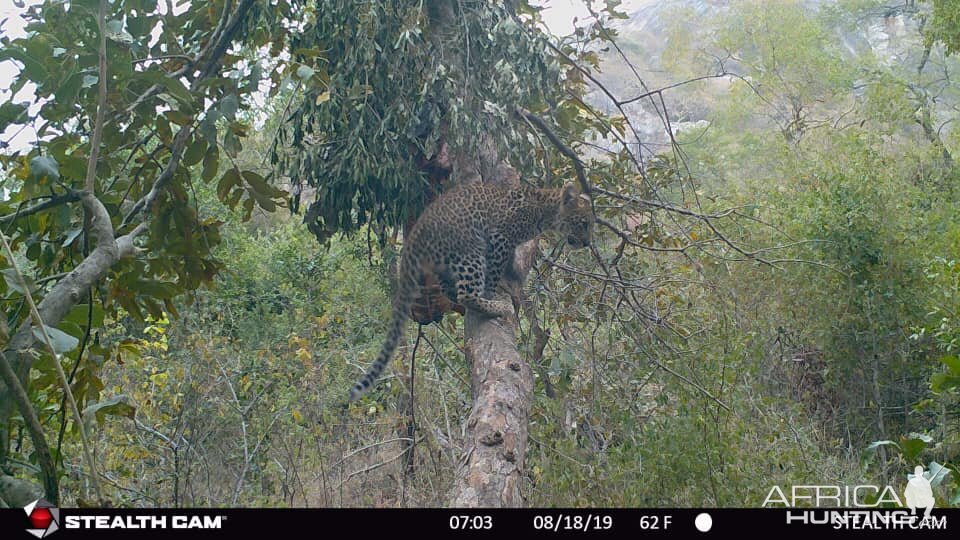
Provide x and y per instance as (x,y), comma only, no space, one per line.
(575,217)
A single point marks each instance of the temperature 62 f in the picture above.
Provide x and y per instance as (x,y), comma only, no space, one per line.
(656,522)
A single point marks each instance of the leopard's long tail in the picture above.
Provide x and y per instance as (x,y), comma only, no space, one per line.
(401,307)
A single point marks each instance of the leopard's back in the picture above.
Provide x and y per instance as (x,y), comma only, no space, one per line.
(465,239)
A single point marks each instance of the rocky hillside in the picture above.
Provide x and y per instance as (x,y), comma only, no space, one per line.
(884,36)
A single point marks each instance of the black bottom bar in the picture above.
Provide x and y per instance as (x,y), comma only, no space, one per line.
(275,523)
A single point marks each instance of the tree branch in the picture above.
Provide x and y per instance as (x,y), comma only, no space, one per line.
(48,468)
(183,136)
(496,434)
(176,152)
(89,183)
(57,200)
(75,284)
(71,289)
(563,148)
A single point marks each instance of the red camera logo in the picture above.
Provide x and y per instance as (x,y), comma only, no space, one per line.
(44,518)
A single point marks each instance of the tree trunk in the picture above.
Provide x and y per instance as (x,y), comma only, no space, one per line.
(495,443)
(496,436)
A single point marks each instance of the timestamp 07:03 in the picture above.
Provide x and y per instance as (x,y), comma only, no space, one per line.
(471,522)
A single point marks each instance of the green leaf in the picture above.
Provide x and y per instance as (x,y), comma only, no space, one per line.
(44,167)
(194,152)
(211,163)
(248,208)
(119,405)
(208,126)
(62,342)
(73,167)
(174,86)
(12,113)
(14,282)
(179,118)
(304,73)
(140,25)
(942,382)
(231,143)
(229,106)
(71,328)
(937,473)
(229,179)
(952,362)
(912,448)
(68,91)
(78,315)
(155,289)
(260,190)
(265,202)
(259,184)
(128,351)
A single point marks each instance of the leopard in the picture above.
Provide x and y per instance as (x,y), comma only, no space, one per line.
(465,239)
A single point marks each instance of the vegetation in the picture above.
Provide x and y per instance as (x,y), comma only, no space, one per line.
(208,221)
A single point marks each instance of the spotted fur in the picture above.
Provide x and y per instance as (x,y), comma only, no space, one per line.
(466,238)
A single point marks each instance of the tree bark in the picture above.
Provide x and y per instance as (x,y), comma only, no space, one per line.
(17,493)
(495,442)
(497,429)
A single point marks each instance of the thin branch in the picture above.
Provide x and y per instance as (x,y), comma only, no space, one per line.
(73,373)
(176,152)
(230,27)
(163,57)
(685,379)
(659,91)
(89,183)
(74,286)
(375,465)
(369,446)
(662,206)
(563,148)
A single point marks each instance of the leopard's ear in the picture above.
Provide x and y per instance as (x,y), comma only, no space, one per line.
(569,195)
